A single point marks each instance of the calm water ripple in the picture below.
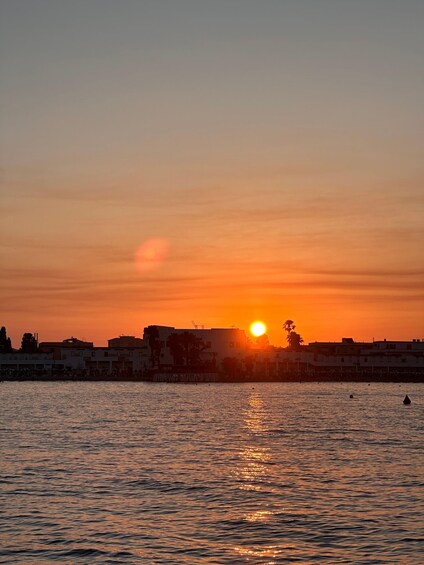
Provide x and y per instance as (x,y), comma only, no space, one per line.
(211,474)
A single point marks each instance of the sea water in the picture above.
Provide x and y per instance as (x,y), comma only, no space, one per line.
(212,473)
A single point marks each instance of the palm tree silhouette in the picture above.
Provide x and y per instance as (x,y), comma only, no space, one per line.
(186,348)
(155,346)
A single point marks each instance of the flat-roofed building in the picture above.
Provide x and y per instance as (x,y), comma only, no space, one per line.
(126,342)
(71,343)
(218,343)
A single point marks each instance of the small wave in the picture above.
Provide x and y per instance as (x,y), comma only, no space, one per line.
(82,552)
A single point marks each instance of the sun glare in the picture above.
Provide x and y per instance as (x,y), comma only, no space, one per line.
(257,329)
(151,254)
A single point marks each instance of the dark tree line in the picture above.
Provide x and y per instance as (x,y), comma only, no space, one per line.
(155,345)
(29,343)
(5,342)
(186,348)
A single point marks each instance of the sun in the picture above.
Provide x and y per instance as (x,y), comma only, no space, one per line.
(257,328)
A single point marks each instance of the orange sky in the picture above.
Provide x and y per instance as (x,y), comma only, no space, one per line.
(276,153)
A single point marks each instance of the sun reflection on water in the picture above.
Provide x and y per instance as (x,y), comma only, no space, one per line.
(258,516)
(253,468)
(254,456)
(255,414)
(254,474)
(271,552)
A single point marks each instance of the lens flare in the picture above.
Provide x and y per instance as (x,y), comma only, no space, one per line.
(257,328)
(151,254)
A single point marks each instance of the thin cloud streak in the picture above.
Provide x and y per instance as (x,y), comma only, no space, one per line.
(99,290)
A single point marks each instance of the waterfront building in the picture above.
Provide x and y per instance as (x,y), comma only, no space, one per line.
(25,364)
(225,353)
(217,343)
(345,360)
(126,342)
(70,343)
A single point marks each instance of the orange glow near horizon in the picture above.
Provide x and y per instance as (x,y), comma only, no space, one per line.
(257,328)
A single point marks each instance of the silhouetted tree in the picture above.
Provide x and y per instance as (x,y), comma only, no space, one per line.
(289,326)
(231,366)
(192,346)
(155,346)
(295,341)
(186,348)
(5,343)
(293,338)
(175,347)
(29,343)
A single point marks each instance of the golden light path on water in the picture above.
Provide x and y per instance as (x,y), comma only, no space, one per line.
(231,473)
(253,472)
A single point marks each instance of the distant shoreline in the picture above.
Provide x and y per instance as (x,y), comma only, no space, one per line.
(220,379)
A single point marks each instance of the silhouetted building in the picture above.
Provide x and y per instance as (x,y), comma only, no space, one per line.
(71,343)
(18,364)
(198,354)
(126,342)
(217,343)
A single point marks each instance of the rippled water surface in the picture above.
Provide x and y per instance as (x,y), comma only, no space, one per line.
(240,473)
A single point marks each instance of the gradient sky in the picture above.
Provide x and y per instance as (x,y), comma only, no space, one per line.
(274,148)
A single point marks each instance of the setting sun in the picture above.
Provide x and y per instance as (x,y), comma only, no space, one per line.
(257,329)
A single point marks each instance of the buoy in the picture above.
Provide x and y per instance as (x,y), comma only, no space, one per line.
(407,400)
(351,396)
